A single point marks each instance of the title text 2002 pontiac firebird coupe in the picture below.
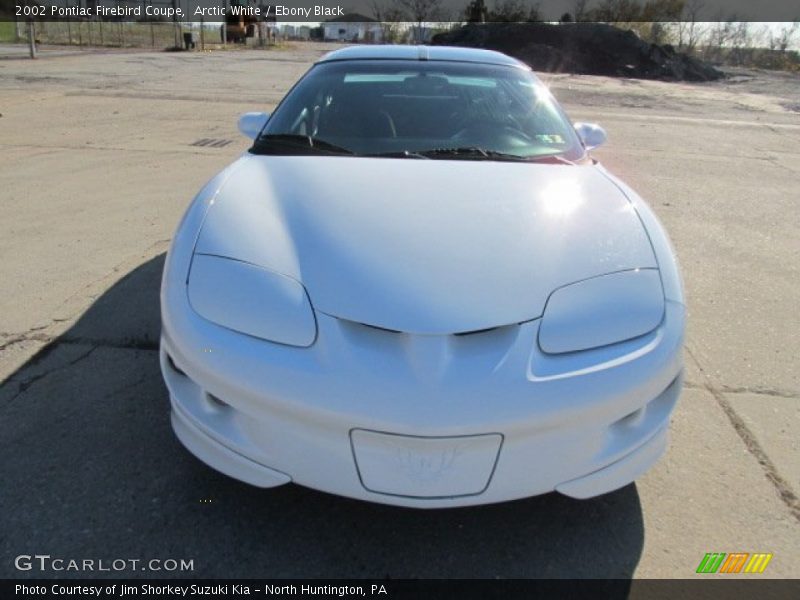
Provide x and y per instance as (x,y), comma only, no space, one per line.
(416,288)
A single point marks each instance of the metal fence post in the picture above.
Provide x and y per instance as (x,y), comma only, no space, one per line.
(177,25)
(32,38)
(202,34)
(225,25)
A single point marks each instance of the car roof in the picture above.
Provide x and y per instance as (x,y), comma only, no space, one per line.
(443,53)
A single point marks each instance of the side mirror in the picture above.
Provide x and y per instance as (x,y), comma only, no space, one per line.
(592,135)
(251,124)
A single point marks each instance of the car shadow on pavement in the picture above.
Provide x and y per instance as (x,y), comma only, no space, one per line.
(95,472)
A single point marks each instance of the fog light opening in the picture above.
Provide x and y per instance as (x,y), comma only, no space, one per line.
(175,367)
(633,419)
(217,402)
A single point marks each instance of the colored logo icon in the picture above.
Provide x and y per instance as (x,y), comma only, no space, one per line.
(735,562)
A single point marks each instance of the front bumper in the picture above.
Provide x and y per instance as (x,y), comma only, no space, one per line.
(423,421)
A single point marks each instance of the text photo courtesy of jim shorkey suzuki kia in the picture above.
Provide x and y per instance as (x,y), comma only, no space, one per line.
(127,590)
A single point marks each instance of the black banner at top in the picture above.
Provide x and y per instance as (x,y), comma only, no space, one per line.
(412,11)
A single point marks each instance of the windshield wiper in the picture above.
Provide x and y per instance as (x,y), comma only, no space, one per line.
(471,153)
(290,143)
(551,158)
(397,154)
(466,152)
(478,153)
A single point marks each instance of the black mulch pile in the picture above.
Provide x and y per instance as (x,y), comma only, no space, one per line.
(587,48)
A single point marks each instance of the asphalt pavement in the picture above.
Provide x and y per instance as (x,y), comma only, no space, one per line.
(101,153)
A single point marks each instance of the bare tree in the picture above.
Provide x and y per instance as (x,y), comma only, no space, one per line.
(689,29)
(389,19)
(616,11)
(778,43)
(760,36)
(514,11)
(662,10)
(420,12)
(450,16)
(579,10)
(785,38)
(656,18)
(741,41)
(718,36)
(476,12)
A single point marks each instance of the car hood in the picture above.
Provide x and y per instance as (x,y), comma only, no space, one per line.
(425,246)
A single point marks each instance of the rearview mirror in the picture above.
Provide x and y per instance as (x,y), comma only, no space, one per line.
(251,123)
(592,135)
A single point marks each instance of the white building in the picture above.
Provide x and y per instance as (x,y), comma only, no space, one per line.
(353,27)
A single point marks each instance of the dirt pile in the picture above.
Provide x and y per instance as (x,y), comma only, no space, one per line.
(587,48)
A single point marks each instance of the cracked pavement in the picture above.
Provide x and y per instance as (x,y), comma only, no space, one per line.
(98,168)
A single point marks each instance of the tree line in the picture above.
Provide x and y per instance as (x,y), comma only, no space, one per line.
(683,24)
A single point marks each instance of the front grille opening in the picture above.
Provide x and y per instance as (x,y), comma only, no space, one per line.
(175,367)
(380,328)
(355,326)
(459,334)
(476,332)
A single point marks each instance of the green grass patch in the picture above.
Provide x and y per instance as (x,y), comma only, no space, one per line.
(6,31)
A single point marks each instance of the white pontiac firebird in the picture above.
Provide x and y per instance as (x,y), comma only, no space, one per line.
(416,288)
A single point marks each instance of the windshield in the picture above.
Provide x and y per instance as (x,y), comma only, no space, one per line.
(420,109)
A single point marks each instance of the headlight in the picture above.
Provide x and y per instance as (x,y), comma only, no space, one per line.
(602,310)
(251,300)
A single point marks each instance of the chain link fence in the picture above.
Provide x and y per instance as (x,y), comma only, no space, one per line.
(119,34)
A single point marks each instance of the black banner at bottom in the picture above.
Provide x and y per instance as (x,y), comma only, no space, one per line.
(394,589)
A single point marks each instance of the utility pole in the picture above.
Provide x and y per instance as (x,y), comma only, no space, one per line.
(175,4)
(225,25)
(32,38)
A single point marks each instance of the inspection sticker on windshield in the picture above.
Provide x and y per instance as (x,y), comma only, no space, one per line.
(550,138)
